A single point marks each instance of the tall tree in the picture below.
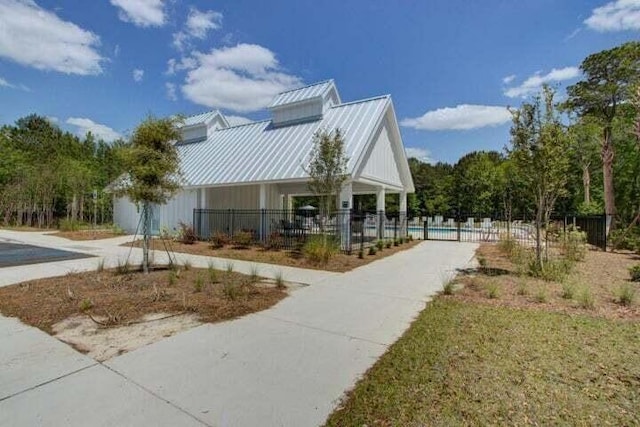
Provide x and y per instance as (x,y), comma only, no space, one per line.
(608,75)
(153,169)
(539,146)
(584,141)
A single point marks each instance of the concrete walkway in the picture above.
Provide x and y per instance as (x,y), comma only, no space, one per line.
(286,366)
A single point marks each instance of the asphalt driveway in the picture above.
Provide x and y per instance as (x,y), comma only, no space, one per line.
(14,254)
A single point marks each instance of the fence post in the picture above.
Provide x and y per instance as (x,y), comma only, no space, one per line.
(458,232)
(426,230)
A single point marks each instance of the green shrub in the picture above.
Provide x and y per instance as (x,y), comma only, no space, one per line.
(229,267)
(522,258)
(626,239)
(186,234)
(626,294)
(123,267)
(116,229)
(320,249)
(522,288)
(242,239)
(361,253)
(568,290)
(380,245)
(173,277)
(213,273)
(492,290)
(198,283)
(231,290)
(279,279)
(396,242)
(574,245)
(85,305)
(634,272)
(448,288)
(482,263)
(372,250)
(553,270)
(586,299)
(219,240)
(388,244)
(541,295)
(507,244)
(69,225)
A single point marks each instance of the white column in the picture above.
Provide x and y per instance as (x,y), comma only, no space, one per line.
(263,205)
(345,202)
(289,202)
(380,207)
(203,198)
(403,213)
(203,220)
(380,203)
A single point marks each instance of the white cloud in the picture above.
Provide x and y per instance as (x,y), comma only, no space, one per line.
(98,130)
(53,120)
(138,75)
(460,117)
(237,120)
(533,84)
(171,91)
(5,83)
(619,15)
(242,78)
(198,24)
(143,13)
(508,79)
(421,154)
(186,63)
(35,37)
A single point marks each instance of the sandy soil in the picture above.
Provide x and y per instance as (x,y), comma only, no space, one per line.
(103,343)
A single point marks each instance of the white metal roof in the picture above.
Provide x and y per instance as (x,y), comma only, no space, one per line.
(203,118)
(259,152)
(315,90)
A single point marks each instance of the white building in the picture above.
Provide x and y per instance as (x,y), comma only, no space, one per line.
(261,165)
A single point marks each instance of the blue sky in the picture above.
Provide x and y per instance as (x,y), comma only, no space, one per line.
(451,66)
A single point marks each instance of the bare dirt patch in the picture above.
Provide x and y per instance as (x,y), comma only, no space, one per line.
(340,262)
(600,275)
(89,309)
(103,343)
(87,234)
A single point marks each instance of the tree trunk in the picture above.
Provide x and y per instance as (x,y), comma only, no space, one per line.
(586,184)
(146,228)
(607,155)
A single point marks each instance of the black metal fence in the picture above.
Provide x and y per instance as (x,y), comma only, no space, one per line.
(353,230)
(290,229)
(488,228)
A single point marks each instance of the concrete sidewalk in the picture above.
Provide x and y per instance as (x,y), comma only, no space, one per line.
(288,365)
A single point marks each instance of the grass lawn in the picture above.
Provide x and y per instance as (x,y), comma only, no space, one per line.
(340,262)
(509,349)
(465,363)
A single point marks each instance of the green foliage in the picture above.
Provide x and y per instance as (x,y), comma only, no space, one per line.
(69,225)
(634,272)
(85,305)
(320,249)
(626,294)
(448,288)
(231,290)
(254,277)
(361,254)
(493,291)
(388,244)
(327,167)
(172,277)
(372,250)
(552,270)
(213,273)
(586,299)
(279,279)
(380,245)
(541,295)
(242,239)
(539,146)
(574,245)
(568,290)
(198,284)
(626,239)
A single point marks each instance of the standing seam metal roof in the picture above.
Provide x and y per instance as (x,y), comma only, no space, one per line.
(296,95)
(259,152)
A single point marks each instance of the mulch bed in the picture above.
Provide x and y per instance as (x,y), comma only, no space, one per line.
(87,234)
(340,262)
(601,273)
(124,298)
